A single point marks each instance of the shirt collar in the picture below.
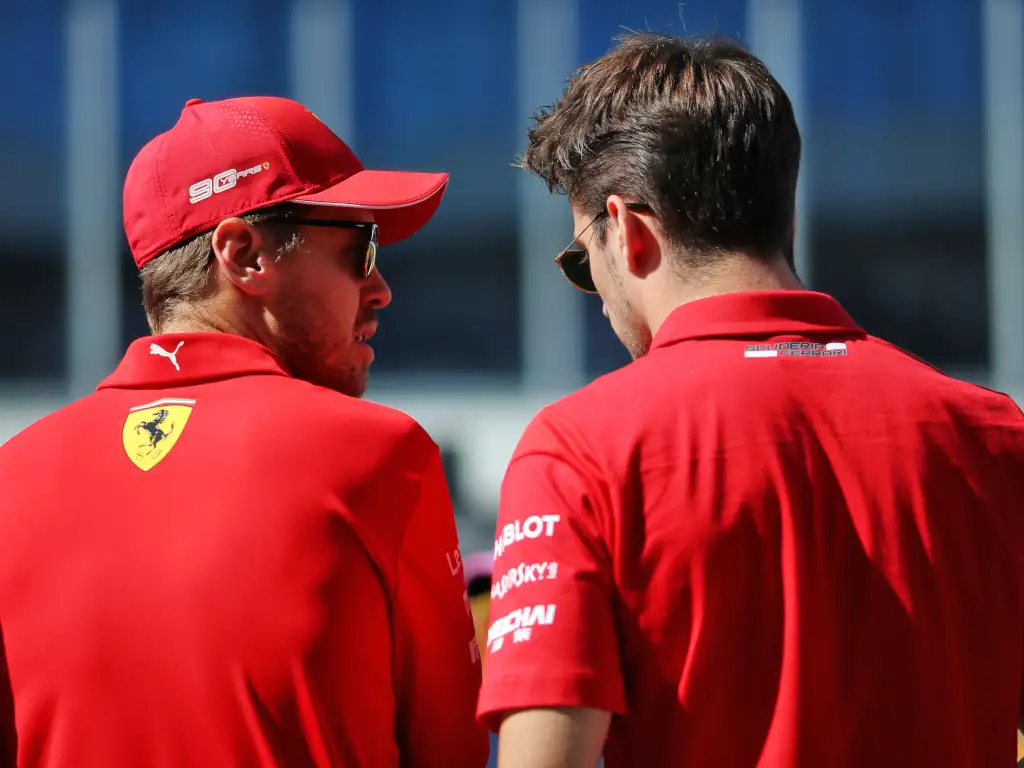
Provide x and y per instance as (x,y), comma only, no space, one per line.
(756,314)
(190,358)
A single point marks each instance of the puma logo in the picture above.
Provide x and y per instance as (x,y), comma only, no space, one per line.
(156,349)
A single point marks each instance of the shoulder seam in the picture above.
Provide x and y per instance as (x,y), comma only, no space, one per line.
(926,364)
(599,483)
(433,454)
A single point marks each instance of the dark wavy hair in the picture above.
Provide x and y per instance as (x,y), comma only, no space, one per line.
(697,129)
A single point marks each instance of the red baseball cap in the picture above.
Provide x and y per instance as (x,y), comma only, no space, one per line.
(226,158)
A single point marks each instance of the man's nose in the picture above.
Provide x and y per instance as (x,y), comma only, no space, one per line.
(376,292)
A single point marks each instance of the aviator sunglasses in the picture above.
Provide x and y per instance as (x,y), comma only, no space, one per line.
(574,261)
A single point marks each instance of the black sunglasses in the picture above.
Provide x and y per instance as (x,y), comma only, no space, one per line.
(369,258)
(574,261)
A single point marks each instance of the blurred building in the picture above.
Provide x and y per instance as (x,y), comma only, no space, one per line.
(892,100)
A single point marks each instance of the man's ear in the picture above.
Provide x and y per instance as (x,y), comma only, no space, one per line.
(629,232)
(241,253)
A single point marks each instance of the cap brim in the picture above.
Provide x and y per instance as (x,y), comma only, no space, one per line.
(401,201)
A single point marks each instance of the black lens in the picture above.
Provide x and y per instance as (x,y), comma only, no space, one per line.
(576,268)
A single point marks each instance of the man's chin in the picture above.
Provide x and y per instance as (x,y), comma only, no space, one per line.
(347,381)
(353,382)
(637,344)
(353,387)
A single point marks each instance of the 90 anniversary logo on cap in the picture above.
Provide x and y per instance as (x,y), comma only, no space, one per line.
(222,182)
(150,431)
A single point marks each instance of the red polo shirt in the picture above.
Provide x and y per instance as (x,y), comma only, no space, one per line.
(210,563)
(773,541)
(8,728)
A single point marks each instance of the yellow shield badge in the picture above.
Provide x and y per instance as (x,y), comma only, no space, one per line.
(152,430)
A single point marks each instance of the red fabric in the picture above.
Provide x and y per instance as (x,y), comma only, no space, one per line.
(774,541)
(283,588)
(225,158)
(8,725)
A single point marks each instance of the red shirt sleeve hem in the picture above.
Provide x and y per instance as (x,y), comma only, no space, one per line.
(511,693)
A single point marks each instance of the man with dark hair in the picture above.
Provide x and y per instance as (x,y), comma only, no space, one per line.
(772,539)
(224,557)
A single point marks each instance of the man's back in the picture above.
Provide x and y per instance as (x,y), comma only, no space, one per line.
(810,543)
(229,587)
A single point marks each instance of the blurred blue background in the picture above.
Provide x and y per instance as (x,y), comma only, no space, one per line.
(911,191)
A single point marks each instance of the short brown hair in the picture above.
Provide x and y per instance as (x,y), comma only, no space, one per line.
(181,275)
(697,129)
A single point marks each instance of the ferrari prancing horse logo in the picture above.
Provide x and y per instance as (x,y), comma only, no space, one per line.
(152,430)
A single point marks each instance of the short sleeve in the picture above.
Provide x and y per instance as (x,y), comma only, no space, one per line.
(552,639)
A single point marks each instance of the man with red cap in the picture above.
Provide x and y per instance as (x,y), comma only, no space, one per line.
(223,557)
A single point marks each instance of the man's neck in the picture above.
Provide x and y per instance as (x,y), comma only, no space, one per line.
(201,319)
(730,274)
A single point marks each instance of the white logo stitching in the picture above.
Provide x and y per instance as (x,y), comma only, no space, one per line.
(222,182)
(156,349)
